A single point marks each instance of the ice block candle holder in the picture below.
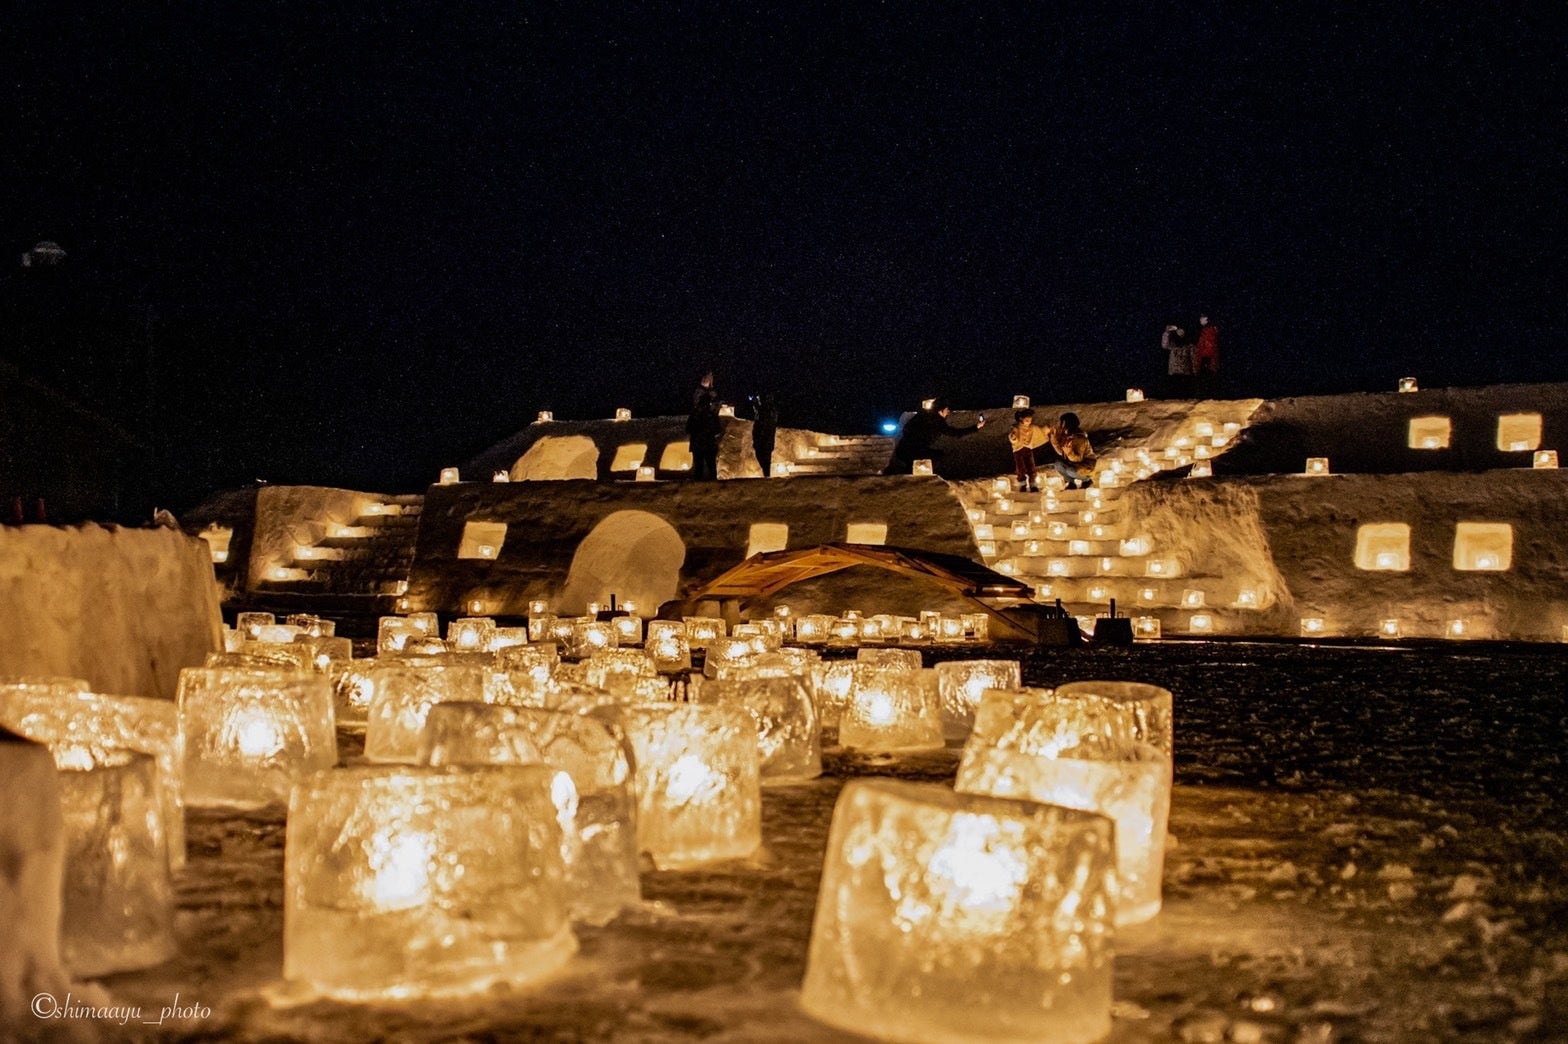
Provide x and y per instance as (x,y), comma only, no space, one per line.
(470,634)
(703,631)
(890,710)
(594,803)
(698,785)
(117,904)
(393,633)
(402,695)
(407,882)
(668,650)
(727,652)
(1127,781)
(79,726)
(958,917)
(961,683)
(247,735)
(788,739)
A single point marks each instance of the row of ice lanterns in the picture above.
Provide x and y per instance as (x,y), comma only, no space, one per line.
(1542,460)
(694,798)
(624,413)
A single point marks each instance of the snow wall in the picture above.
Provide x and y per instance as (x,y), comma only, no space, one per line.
(123,609)
(571,542)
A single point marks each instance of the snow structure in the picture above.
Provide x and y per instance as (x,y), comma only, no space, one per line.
(122,609)
(1408,535)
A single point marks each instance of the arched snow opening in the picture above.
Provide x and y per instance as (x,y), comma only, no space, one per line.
(633,555)
(557,457)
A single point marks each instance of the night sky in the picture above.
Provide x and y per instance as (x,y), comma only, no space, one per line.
(359,242)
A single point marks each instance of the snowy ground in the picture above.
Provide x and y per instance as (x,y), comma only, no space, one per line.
(1368,847)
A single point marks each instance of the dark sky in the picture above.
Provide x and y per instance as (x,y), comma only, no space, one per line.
(395,231)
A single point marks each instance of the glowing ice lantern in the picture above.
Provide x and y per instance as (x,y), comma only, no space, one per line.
(1388,629)
(1134,394)
(594,804)
(1457,628)
(960,917)
(449,477)
(1316,466)
(1095,767)
(1200,623)
(1020,402)
(1098,593)
(412,882)
(987,548)
(985,531)
(702,631)
(698,783)
(669,651)
(250,624)
(1311,625)
(1246,598)
(471,633)
(623,414)
(926,404)
(1005,505)
(788,739)
(248,735)
(1201,469)
(545,417)
(1147,594)
(117,903)
(80,726)
(1058,530)
(402,694)
(891,710)
(1057,567)
(727,410)
(1134,547)
(1543,459)
(1021,530)
(646,473)
(1146,627)
(1002,484)
(962,683)
(727,652)
(1160,567)
(1192,598)
(1408,384)
(1078,547)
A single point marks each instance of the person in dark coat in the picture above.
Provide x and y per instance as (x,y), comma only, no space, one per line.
(764,430)
(917,440)
(703,429)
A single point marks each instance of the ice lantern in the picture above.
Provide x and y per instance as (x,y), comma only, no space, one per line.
(78,725)
(788,740)
(923,467)
(117,908)
(1114,775)
(889,709)
(1408,384)
(1317,466)
(402,695)
(247,735)
(699,795)
(961,683)
(449,477)
(1134,394)
(409,882)
(594,804)
(959,917)
(1543,459)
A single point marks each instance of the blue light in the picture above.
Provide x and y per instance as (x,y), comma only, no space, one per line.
(890,427)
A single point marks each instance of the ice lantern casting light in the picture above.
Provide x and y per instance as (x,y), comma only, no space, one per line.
(1134,394)
(699,791)
(957,917)
(411,882)
(247,735)
(1408,384)
(923,467)
(449,477)
(1317,466)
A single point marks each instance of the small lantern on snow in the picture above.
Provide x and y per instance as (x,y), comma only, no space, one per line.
(1408,384)
(545,417)
(449,477)
(1317,466)
(1543,459)
(1134,394)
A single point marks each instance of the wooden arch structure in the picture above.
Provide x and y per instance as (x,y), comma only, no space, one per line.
(771,571)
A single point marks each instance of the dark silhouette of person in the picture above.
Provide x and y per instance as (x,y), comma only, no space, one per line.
(764,430)
(1179,366)
(918,438)
(703,429)
(1206,356)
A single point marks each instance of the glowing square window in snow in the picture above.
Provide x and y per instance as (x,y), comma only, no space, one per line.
(409,882)
(1483,547)
(1429,433)
(946,916)
(629,456)
(1518,432)
(482,540)
(866,533)
(923,466)
(767,536)
(676,457)
(1383,546)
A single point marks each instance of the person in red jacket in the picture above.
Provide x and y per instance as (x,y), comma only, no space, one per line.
(1206,353)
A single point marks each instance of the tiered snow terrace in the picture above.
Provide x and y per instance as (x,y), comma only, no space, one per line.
(1427,521)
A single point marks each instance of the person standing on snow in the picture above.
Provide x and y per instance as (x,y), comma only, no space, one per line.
(1179,366)
(703,428)
(1023,437)
(917,440)
(1206,353)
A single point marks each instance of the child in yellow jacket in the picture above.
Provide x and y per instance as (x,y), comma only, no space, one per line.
(1023,437)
